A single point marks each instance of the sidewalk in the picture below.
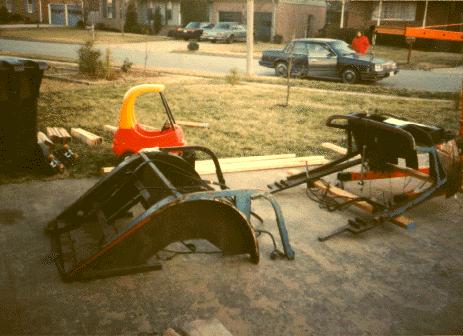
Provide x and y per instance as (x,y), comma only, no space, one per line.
(30,25)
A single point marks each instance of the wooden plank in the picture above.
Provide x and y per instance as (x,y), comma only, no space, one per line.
(262,165)
(401,221)
(106,170)
(192,124)
(334,148)
(86,137)
(411,172)
(58,134)
(42,137)
(249,158)
(110,128)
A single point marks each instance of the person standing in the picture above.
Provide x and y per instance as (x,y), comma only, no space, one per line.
(360,43)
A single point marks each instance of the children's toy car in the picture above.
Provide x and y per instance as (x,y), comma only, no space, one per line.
(131,137)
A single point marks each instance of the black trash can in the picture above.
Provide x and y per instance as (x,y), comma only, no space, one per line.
(20,81)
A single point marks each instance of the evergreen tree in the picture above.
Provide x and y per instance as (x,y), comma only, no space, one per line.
(131,20)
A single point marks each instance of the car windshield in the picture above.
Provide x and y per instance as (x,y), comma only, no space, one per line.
(193,25)
(342,48)
(223,26)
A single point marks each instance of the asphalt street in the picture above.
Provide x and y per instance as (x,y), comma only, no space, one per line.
(449,80)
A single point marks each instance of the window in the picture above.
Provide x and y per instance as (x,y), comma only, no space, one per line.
(297,48)
(396,11)
(109,9)
(30,8)
(318,50)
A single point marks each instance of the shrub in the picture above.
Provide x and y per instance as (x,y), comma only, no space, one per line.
(157,21)
(131,20)
(193,46)
(233,77)
(4,15)
(126,66)
(107,66)
(89,59)
(80,24)
(278,39)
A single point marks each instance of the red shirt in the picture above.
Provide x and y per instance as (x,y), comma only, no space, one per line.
(360,44)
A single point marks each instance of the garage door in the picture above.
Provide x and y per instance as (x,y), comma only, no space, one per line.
(57,14)
(230,17)
(74,15)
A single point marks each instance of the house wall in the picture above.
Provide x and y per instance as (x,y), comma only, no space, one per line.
(19,7)
(359,14)
(237,6)
(292,20)
(142,16)
(115,22)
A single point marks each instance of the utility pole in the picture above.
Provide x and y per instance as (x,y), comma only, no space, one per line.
(250,37)
(343,8)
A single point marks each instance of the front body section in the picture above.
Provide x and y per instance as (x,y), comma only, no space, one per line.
(153,199)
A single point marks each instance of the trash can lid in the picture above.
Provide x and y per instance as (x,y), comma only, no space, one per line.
(19,63)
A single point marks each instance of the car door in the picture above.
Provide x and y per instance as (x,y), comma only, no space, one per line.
(322,61)
(297,50)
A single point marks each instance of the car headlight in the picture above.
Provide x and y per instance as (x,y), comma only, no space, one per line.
(378,67)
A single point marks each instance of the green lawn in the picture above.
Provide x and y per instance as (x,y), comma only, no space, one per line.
(245,119)
(74,35)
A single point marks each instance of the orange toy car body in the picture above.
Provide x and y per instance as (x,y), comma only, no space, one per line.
(131,137)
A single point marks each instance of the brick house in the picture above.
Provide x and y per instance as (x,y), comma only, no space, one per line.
(111,12)
(358,14)
(58,12)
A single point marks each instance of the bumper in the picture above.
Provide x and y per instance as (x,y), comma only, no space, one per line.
(213,38)
(373,76)
(193,35)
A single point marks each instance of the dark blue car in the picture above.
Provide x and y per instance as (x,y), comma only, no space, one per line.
(327,59)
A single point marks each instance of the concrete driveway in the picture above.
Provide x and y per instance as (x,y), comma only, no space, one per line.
(160,55)
(385,281)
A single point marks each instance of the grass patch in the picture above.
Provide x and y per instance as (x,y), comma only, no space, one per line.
(74,35)
(244,119)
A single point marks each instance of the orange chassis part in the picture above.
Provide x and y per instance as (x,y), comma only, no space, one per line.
(131,137)
(375,175)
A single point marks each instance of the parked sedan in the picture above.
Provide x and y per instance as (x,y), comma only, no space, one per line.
(225,32)
(327,59)
(193,30)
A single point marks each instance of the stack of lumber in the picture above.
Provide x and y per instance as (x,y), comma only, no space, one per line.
(58,134)
(86,137)
(252,163)
(255,163)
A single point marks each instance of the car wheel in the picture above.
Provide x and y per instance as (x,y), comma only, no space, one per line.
(231,39)
(350,76)
(281,69)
